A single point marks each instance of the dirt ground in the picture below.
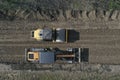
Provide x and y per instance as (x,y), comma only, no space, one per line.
(96,31)
(58,75)
(85,72)
(100,38)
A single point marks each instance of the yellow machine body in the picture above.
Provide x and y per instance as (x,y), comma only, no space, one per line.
(33,56)
(38,34)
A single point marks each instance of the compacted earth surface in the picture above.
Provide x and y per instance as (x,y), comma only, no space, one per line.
(93,26)
(100,38)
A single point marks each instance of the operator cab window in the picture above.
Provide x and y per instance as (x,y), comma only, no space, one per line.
(32,33)
(31,56)
(41,33)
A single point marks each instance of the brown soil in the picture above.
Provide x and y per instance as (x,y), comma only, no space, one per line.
(101,38)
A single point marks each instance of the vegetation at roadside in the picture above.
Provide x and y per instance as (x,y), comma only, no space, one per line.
(60,4)
(11,7)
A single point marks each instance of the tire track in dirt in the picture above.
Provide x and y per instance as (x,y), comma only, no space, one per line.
(104,45)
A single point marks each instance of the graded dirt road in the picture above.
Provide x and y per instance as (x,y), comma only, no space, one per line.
(103,44)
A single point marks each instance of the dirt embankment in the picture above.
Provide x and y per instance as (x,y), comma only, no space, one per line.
(60,15)
(53,10)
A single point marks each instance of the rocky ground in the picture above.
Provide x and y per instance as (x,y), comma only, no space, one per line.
(77,72)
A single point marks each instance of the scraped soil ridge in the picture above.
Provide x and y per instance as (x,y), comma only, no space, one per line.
(58,15)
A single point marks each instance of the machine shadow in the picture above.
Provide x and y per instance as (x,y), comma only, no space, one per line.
(85,55)
(73,36)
